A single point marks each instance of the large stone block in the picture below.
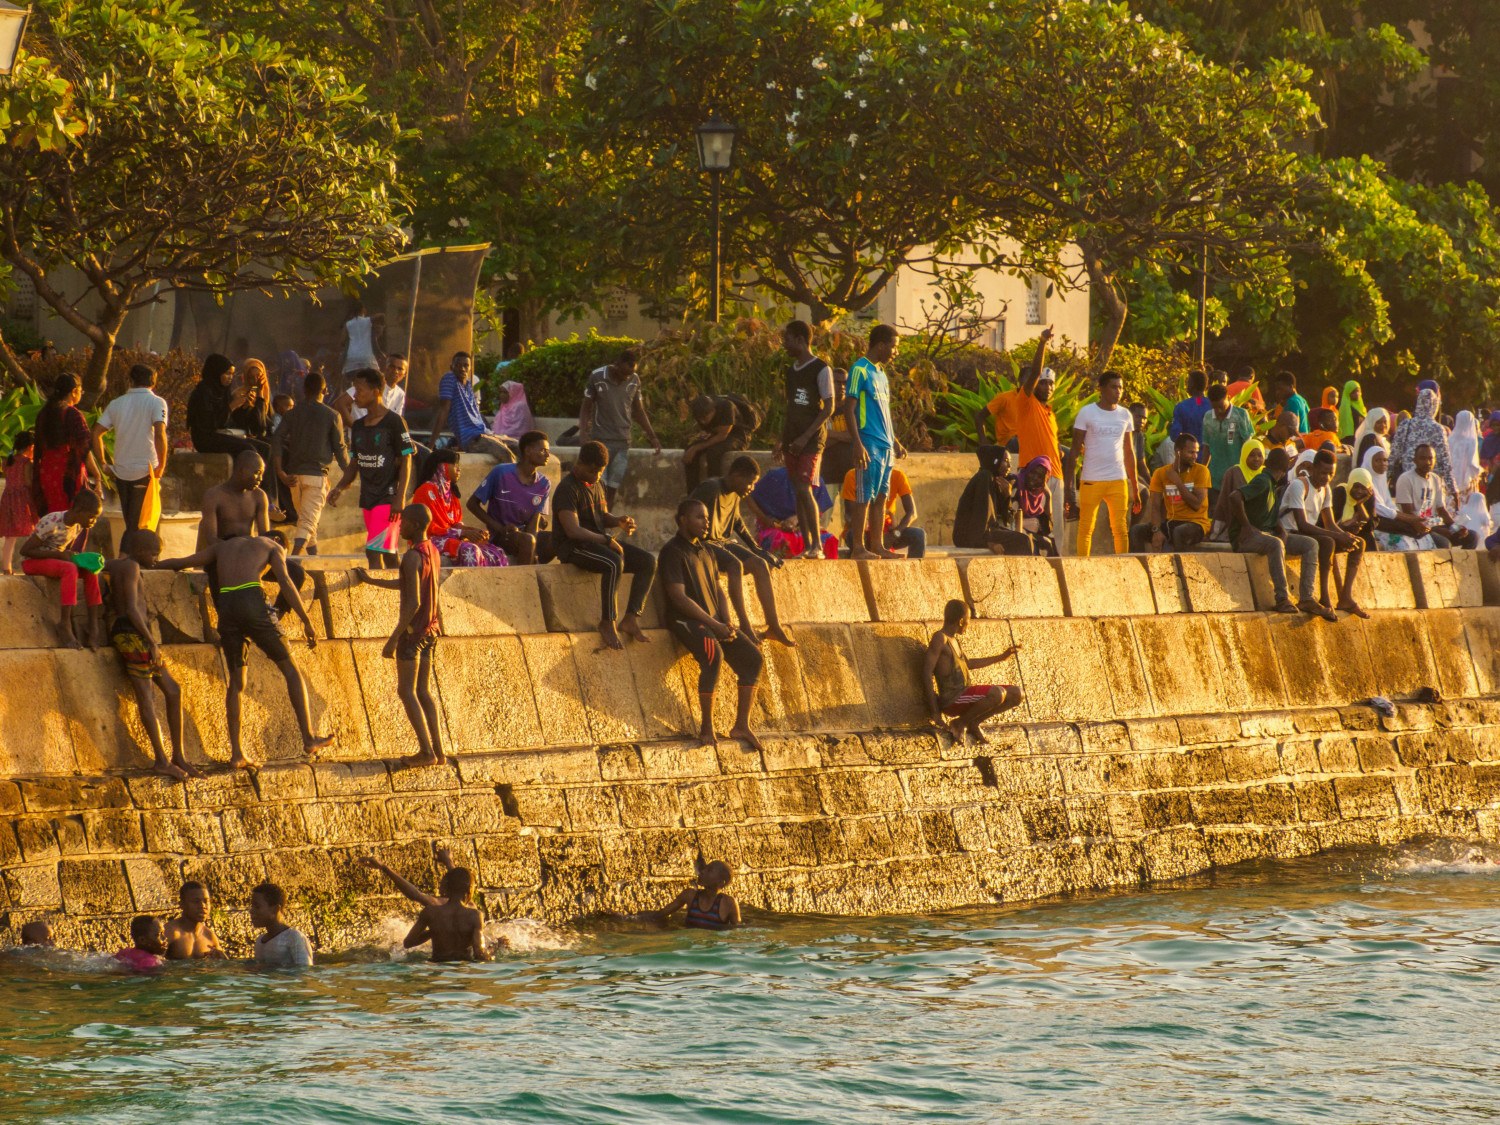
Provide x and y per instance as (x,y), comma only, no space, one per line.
(557,689)
(828,592)
(1384,581)
(570,599)
(666,685)
(354,609)
(1446,579)
(1106,586)
(830,674)
(1482,629)
(35,732)
(100,710)
(1324,664)
(1011,586)
(334,697)
(911,589)
(609,697)
(781,703)
(486,690)
(1063,671)
(1450,651)
(94,886)
(1216,582)
(29,613)
(389,729)
(890,667)
(174,605)
(1129,686)
(1399,653)
(1250,673)
(486,601)
(1181,664)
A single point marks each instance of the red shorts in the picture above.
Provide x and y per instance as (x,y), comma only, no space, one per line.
(804,468)
(973,695)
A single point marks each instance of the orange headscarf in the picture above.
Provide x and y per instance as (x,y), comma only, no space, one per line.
(1330,398)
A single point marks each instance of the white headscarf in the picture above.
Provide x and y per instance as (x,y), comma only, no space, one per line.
(1303,458)
(1368,425)
(1475,516)
(1463,451)
(1385,507)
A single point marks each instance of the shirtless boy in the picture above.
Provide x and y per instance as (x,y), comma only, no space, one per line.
(418,627)
(131,638)
(235,509)
(950,688)
(38,935)
(189,936)
(245,617)
(455,927)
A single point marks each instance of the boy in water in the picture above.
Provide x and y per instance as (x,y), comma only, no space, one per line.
(708,907)
(245,617)
(946,669)
(454,926)
(37,935)
(189,936)
(131,638)
(282,946)
(148,945)
(419,625)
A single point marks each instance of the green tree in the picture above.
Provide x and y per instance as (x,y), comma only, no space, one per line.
(203,162)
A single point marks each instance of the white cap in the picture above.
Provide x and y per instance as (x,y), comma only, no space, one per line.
(1047,375)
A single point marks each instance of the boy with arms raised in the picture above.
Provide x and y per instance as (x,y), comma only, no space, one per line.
(946,669)
(419,625)
(245,617)
(131,638)
(454,926)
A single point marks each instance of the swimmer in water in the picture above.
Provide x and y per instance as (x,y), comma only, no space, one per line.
(454,926)
(189,936)
(37,935)
(708,907)
(148,948)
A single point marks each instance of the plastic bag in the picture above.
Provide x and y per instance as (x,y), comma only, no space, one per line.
(91,561)
(151,504)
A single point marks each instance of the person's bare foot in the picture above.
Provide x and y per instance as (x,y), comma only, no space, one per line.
(1349,605)
(862,554)
(779,635)
(311,746)
(959,732)
(887,553)
(708,737)
(815,553)
(188,768)
(610,635)
(68,640)
(630,625)
(979,737)
(167,769)
(1317,609)
(745,734)
(238,761)
(417,761)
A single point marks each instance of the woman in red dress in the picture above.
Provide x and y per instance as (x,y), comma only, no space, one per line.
(64,463)
(437,488)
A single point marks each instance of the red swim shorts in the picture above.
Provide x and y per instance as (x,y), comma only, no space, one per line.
(804,468)
(971,696)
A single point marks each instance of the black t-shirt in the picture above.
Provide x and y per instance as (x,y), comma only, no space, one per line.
(692,564)
(804,402)
(723,504)
(377,448)
(584,500)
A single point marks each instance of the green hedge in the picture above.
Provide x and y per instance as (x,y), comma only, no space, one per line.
(554,373)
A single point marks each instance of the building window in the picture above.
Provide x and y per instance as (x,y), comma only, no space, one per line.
(22,304)
(1036,301)
(997,336)
(616,308)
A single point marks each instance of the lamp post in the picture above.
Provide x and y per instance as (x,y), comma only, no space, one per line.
(12,29)
(715,155)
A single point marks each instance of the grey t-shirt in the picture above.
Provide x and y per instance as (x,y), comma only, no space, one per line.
(287,950)
(613,400)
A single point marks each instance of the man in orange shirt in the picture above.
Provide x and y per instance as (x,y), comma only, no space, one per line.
(1036,425)
(1003,408)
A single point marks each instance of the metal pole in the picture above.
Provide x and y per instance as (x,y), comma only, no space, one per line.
(1203,306)
(713,302)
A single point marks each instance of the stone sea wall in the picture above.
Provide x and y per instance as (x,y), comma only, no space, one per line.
(1170,726)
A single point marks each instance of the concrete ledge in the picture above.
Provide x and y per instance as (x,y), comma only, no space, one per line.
(1116,585)
(1011,586)
(570,599)
(1385,581)
(1217,582)
(910,589)
(1446,579)
(1167,585)
(482,602)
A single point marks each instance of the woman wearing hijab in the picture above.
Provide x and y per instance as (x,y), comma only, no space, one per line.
(1376,426)
(1252,460)
(1463,449)
(63,460)
(1354,506)
(1034,505)
(513,419)
(437,489)
(1352,411)
(1395,530)
(1423,429)
(1475,516)
(1331,399)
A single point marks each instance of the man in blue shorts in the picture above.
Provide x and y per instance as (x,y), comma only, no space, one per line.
(867,413)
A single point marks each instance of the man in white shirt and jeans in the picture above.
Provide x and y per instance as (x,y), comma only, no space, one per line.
(1307,509)
(1102,442)
(139,419)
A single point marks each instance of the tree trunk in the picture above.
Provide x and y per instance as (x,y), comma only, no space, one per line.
(11,365)
(96,374)
(1114,304)
(820,314)
(533,322)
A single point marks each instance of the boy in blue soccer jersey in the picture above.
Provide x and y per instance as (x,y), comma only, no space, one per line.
(867,413)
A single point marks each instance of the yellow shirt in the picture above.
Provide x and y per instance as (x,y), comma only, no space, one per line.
(1177,509)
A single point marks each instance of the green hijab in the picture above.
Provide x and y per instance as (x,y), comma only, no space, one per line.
(1350,401)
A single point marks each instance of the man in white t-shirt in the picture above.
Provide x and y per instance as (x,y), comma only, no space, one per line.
(1420,492)
(393,398)
(139,419)
(1102,442)
(281,946)
(1307,509)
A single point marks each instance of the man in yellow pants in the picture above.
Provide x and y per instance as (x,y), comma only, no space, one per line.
(1102,444)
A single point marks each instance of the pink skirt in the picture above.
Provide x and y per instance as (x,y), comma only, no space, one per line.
(382,533)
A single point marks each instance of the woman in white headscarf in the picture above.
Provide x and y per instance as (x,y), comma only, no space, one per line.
(1475,516)
(1463,453)
(1395,530)
(1376,426)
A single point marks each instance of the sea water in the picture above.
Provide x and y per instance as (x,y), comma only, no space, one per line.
(1358,987)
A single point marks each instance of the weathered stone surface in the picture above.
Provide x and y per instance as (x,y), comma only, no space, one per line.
(608,687)
(35,733)
(491,601)
(1401,658)
(831,592)
(1323,664)
(335,703)
(666,684)
(1167,586)
(890,667)
(1446,579)
(1217,582)
(1450,651)
(174,605)
(1128,684)
(1250,673)
(1062,669)
(830,677)
(1106,586)
(1482,630)
(389,730)
(486,692)
(1003,586)
(94,886)
(1181,663)
(29,613)
(910,589)
(570,600)
(557,689)
(1384,582)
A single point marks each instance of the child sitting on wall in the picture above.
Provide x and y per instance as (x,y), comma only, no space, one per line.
(55,549)
(951,689)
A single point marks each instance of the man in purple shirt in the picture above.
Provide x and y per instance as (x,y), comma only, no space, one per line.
(512,502)
(1187,418)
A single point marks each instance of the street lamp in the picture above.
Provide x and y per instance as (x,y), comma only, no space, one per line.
(12,29)
(715,155)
